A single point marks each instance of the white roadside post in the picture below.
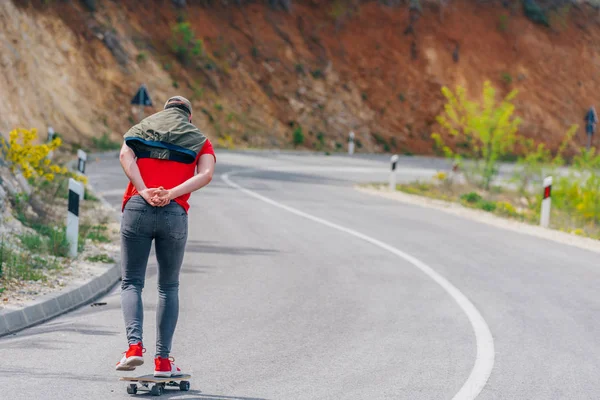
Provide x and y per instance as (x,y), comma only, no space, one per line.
(75,195)
(351,143)
(546,202)
(82,158)
(50,138)
(394,161)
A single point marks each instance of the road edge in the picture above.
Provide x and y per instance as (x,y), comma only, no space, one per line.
(52,305)
(55,304)
(484,217)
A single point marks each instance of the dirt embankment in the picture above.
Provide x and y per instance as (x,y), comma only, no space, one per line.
(329,67)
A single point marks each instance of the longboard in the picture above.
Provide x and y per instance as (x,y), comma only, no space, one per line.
(159,384)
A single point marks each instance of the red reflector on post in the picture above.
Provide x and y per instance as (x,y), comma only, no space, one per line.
(547,190)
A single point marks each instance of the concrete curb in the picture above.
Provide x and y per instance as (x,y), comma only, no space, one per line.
(55,304)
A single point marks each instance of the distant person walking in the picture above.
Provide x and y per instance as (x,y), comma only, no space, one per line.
(166,158)
(591,119)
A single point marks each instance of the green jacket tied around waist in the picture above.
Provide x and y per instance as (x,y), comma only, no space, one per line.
(166,135)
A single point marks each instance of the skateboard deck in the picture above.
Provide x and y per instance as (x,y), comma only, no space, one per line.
(158,383)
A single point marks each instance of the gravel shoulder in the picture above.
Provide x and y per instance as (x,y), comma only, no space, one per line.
(96,258)
(484,217)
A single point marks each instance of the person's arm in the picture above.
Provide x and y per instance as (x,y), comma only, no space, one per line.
(131,169)
(205,169)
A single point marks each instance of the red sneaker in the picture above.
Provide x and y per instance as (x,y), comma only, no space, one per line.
(132,358)
(165,367)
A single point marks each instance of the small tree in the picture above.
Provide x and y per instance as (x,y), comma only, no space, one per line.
(184,43)
(487,130)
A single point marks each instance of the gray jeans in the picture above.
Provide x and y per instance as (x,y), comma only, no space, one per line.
(168,227)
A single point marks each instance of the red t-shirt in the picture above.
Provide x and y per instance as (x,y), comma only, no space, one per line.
(168,174)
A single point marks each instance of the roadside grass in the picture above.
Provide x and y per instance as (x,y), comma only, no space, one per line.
(96,233)
(476,135)
(506,203)
(21,265)
(102,258)
(37,252)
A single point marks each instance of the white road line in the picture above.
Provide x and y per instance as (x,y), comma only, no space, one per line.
(349,169)
(484,361)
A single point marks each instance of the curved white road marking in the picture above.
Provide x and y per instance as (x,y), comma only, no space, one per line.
(484,361)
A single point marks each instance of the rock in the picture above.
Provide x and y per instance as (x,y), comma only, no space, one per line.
(10,187)
(23,183)
(2,198)
(296,105)
(111,41)
(268,67)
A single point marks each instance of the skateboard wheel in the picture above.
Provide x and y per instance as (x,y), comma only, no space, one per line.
(156,390)
(132,389)
(184,386)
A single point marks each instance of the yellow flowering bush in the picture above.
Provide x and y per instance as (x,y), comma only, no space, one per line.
(32,159)
(486,131)
(506,209)
(441,176)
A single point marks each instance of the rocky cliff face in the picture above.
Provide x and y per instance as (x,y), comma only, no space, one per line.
(261,72)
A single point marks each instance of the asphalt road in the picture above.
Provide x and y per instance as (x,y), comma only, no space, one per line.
(296,286)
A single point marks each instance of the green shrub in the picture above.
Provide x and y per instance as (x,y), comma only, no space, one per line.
(487,205)
(471,197)
(579,192)
(538,161)
(298,136)
(317,74)
(535,13)
(184,43)
(320,140)
(90,4)
(141,57)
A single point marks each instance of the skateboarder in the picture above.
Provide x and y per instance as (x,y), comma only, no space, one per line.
(591,119)
(166,158)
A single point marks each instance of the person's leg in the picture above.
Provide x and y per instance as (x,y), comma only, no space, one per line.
(137,226)
(170,248)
